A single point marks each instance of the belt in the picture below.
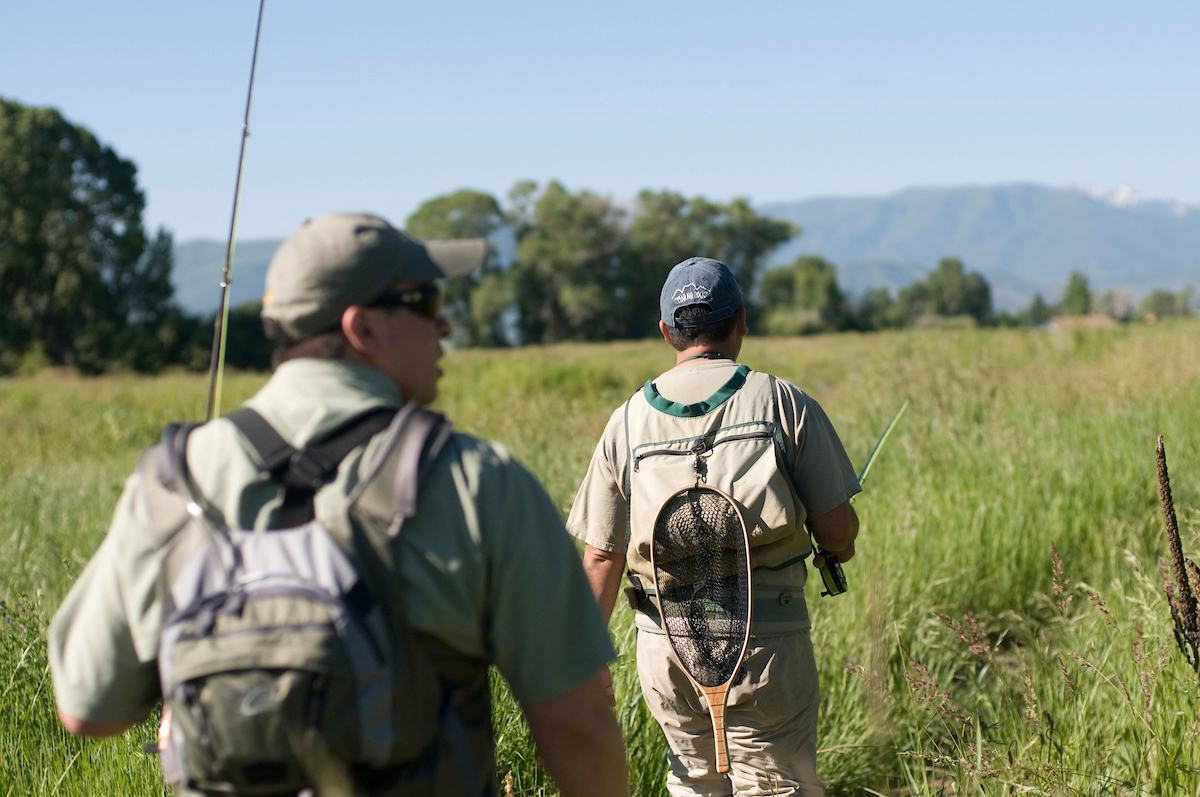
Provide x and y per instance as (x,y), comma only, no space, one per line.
(771,604)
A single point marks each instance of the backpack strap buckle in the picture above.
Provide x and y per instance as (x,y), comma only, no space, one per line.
(307,470)
(302,472)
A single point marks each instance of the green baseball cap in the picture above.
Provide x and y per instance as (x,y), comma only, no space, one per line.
(343,259)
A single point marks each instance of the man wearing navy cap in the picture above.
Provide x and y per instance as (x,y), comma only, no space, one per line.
(785,467)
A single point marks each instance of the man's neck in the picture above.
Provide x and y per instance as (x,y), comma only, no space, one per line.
(713,352)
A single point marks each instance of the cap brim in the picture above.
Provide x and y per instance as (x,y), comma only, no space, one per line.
(457,258)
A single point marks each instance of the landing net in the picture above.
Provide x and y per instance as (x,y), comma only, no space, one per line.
(702,575)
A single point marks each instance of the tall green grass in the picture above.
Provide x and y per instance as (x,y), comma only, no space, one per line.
(952,666)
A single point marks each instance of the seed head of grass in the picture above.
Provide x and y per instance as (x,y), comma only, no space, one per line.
(1183,601)
(1061,582)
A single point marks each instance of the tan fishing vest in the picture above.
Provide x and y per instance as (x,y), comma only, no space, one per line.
(737,436)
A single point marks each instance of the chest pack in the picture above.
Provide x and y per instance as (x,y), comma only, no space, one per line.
(283,672)
(733,442)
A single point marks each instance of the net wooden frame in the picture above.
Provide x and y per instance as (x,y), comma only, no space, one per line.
(714,696)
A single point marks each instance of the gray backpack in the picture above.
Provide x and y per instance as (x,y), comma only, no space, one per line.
(282,672)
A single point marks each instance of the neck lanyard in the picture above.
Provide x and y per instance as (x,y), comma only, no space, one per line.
(708,355)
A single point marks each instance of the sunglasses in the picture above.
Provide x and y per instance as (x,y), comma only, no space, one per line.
(425,301)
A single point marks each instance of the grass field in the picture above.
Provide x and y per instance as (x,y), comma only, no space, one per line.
(960,661)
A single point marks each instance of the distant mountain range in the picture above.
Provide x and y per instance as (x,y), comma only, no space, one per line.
(1024,238)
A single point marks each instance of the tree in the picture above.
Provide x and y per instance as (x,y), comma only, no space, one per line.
(75,268)
(475,305)
(1077,300)
(247,345)
(878,310)
(1115,303)
(954,292)
(567,272)
(157,332)
(581,273)
(804,297)
(668,228)
(914,302)
(663,233)
(1165,304)
(1037,313)
(739,237)
(949,291)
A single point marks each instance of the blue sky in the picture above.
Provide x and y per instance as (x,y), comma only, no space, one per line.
(374,105)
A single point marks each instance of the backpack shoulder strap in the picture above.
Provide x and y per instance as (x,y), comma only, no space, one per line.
(388,492)
(178,515)
(273,451)
(165,471)
(164,492)
(304,471)
(780,446)
(627,488)
(426,436)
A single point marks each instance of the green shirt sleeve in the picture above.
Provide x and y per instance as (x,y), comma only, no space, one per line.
(546,633)
(103,641)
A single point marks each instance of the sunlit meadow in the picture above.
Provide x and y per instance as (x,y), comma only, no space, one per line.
(1005,631)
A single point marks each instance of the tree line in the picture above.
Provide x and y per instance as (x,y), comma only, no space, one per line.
(82,284)
(588,269)
(804,298)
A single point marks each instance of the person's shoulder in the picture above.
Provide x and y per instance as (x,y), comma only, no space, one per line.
(486,464)
(488,475)
(780,383)
(487,453)
(616,421)
(783,388)
(215,440)
(795,405)
(613,437)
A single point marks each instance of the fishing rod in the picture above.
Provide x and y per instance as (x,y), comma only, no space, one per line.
(828,564)
(862,476)
(216,368)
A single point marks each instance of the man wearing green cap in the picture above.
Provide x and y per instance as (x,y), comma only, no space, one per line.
(769,446)
(474,565)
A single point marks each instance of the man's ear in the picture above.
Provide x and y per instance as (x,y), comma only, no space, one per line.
(358,329)
(663,328)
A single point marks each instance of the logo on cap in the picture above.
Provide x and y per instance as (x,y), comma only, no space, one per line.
(690,293)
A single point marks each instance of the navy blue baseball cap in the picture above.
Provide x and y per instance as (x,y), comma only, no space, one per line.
(699,280)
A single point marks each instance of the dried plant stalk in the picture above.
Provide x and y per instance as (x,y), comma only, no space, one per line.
(1193,575)
(1168,587)
(1185,611)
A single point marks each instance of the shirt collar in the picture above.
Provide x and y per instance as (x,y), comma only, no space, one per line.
(308,397)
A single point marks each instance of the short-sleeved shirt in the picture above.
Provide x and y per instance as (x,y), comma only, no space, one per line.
(485,565)
(819,467)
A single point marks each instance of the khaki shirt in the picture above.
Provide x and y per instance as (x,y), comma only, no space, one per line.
(484,565)
(820,469)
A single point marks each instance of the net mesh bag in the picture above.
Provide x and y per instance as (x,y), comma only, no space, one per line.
(703,580)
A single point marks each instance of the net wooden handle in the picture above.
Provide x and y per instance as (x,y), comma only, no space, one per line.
(715,697)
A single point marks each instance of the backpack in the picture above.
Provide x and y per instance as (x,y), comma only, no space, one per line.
(281,670)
